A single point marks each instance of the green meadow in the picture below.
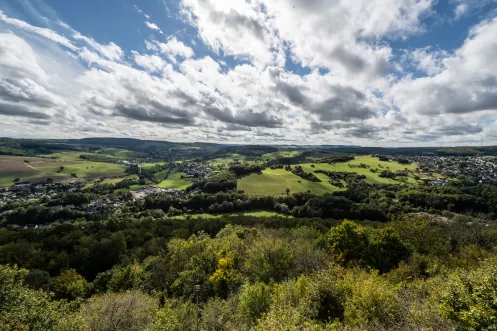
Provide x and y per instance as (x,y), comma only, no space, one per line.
(276,181)
(86,169)
(40,171)
(372,162)
(175,181)
(245,213)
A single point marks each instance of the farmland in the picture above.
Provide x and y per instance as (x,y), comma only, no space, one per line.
(175,181)
(39,169)
(371,163)
(276,181)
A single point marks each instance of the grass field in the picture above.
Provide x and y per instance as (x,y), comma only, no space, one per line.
(280,154)
(372,162)
(39,169)
(151,165)
(160,175)
(175,181)
(276,181)
(247,213)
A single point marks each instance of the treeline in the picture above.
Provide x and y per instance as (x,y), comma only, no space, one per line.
(29,147)
(222,181)
(142,272)
(336,159)
(245,169)
(360,201)
(297,170)
(337,177)
(97,158)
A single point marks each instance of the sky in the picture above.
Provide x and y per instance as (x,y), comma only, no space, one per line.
(363,72)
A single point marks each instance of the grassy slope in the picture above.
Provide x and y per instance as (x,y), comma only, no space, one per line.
(83,169)
(160,175)
(87,169)
(249,213)
(175,181)
(275,182)
(370,177)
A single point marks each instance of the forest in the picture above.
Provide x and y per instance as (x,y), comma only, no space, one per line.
(413,259)
(166,236)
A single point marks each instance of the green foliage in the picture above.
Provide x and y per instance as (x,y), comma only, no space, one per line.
(175,315)
(126,277)
(348,242)
(22,308)
(469,298)
(69,285)
(127,311)
(269,259)
(254,300)
(386,250)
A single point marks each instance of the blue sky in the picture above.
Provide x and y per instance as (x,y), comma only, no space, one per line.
(385,72)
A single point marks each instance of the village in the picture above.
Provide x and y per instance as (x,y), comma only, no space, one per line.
(476,168)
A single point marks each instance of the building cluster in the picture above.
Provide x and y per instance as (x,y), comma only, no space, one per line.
(31,191)
(146,191)
(194,170)
(476,168)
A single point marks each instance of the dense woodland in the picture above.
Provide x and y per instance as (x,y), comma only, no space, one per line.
(364,257)
(414,258)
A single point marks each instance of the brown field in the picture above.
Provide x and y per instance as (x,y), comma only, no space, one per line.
(15,165)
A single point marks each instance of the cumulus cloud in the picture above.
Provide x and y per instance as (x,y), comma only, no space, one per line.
(468,82)
(235,27)
(110,51)
(169,90)
(151,63)
(172,48)
(24,86)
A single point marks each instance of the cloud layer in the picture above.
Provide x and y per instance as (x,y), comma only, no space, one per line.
(279,71)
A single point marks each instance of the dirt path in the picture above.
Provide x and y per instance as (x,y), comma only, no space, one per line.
(30,166)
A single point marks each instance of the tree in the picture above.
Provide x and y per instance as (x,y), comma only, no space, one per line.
(69,285)
(386,250)
(254,300)
(128,311)
(347,242)
(468,298)
(22,308)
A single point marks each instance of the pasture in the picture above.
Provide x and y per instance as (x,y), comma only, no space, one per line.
(175,181)
(371,163)
(276,181)
(261,213)
(160,176)
(37,169)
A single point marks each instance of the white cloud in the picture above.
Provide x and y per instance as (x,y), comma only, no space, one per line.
(25,89)
(153,26)
(466,7)
(110,51)
(235,27)
(468,82)
(47,33)
(151,63)
(159,92)
(172,48)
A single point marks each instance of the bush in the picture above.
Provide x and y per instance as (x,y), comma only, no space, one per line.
(469,298)
(254,300)
(128,311)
